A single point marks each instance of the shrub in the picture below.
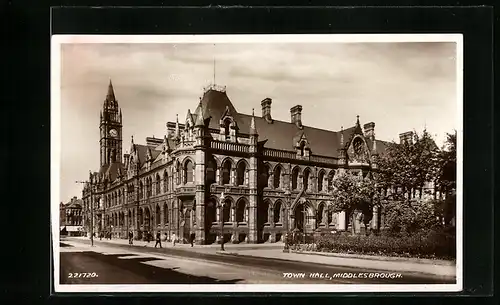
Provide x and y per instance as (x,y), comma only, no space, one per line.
(429,244)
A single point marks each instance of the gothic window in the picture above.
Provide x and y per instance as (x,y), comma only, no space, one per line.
(240,211)
(165,181)
(330,180)
(264,176)
(227,124)
(226,172)
(226,214)
(240,173)
(277,177)
(295,177)
(188,171)
(157,184)
(141,190)
(302,147)
(158,215)
(321,176)
(277,212)
(165,213)
(305,182)
(211,171)
(358,146)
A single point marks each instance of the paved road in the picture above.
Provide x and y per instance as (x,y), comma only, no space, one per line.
(122,264)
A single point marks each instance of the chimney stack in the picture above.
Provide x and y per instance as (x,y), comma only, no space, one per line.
(369,130)
(266,108)
(406,137)
(296,115)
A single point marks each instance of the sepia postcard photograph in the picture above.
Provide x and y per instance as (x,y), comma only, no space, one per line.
(257,163)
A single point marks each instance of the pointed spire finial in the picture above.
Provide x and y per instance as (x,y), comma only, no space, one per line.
(357,119)
(132,139)
(341,136)
(253,129)
(177,131)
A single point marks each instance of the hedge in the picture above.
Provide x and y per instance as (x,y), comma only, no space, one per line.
(437,245)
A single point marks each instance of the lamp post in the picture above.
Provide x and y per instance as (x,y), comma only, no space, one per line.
(221,220)
(91,184)
(287,196)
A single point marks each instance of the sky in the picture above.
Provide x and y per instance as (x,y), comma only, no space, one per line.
(400,86)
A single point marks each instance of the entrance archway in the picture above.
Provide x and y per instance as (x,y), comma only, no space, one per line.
(262,219)
(304,217)
(210,218)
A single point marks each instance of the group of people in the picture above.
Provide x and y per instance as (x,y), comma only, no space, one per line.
(148,237)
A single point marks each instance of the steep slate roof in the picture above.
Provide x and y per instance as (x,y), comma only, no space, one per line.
(280,134)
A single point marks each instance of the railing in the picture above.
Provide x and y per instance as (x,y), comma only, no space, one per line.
(276,153)
(230,146)
(321,159)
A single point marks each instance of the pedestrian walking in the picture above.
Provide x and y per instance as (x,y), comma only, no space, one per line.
(192,240)
(158,239)
(100,236)
(173,239)
(130,237)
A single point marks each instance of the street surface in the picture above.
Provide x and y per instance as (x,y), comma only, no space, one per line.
(112,263)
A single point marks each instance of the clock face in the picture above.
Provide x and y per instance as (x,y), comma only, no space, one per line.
(113,133)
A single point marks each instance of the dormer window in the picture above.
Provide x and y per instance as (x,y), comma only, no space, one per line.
(227,125)
(302,148)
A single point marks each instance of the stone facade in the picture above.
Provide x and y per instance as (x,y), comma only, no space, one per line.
(271,176)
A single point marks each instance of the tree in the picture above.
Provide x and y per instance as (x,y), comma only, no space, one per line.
(407,167)
(353,192)
(447,176)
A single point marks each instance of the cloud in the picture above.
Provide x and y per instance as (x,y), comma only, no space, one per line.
(399,86)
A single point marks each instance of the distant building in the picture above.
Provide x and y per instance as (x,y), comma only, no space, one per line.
(71,217)
(275,175)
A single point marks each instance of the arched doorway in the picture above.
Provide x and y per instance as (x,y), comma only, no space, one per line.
(262,219)
(304,217)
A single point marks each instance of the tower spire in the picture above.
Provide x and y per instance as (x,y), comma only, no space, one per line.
(110,96)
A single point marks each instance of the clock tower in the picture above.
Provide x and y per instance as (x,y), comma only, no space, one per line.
(111,129)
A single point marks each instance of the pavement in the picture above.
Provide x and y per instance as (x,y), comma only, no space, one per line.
(119,263)
(439,268)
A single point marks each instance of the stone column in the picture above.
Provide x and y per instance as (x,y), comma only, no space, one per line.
(374,221)
(253,199)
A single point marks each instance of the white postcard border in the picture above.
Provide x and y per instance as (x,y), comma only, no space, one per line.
(58,40)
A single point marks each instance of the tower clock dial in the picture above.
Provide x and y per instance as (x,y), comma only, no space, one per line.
(113,133)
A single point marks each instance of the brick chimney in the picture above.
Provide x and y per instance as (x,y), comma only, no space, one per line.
(266,108)
(296,115)
(369,129)
(406,137)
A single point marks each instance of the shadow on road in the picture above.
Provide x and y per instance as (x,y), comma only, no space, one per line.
(113,270)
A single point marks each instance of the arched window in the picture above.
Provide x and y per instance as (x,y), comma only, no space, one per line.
(319,214)
(165,213)
(330,180)
(277,177)
(226,172)
(188,171)
(305,181)
(227,124)
(295,177)
(158,216)
(321,176)
(141,190)
(264,176)
(165,181)
(277,212)
(240,173)
(226,214)
(240,211)
(302,147)
(157,184)
(211,171)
